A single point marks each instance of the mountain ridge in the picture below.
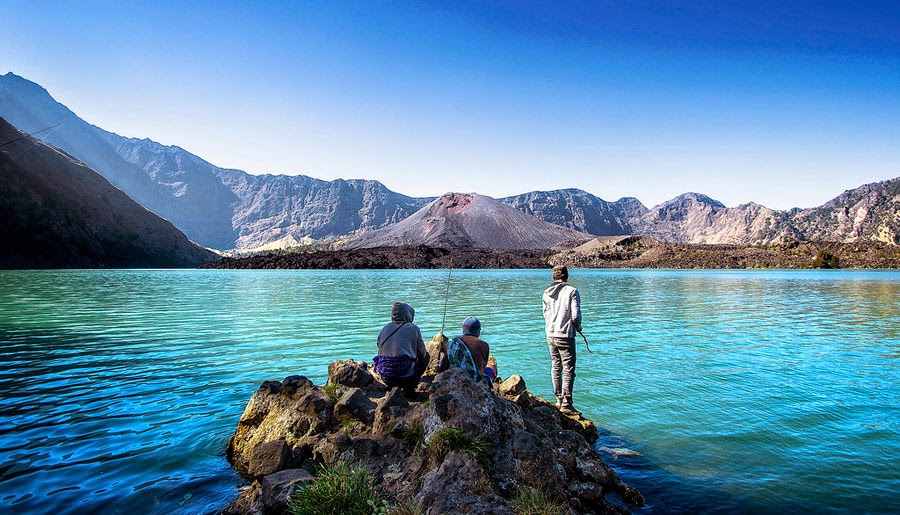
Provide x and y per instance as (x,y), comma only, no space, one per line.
(229,208)
(58,213)
(219,207)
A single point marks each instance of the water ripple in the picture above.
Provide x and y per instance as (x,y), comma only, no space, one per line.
(722,391)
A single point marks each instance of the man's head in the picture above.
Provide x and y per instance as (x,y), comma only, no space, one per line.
(402,312)
(560,273)
(471,326)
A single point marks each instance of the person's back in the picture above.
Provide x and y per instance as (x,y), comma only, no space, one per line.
(470,352)
(562,318)
(562,310)
(401,352)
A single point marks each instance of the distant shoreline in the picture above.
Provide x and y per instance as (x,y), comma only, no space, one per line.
(629,252)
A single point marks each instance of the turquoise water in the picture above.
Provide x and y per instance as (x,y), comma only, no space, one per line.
(718,391)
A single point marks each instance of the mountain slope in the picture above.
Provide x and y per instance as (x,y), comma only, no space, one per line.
(868,213)
(579,210)
(272,207)
(226,209)
(217,207)
(57,212)
(463,220)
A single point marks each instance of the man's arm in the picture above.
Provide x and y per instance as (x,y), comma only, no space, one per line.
(421,353)
(576,310)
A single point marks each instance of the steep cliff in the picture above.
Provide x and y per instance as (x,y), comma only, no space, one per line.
(579,210)
(216,207)
(57,212)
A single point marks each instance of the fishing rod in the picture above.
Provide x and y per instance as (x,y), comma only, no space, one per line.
(586,344)
(26,135)
(447,295)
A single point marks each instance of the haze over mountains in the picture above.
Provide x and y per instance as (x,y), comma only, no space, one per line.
(57,212)
(216,207)
(224,208)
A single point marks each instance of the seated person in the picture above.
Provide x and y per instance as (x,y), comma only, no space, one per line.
(401,358)
(470,352)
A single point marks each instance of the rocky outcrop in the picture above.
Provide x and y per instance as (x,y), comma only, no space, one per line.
(647,252)
(511,440)
(420,256)
(601,252)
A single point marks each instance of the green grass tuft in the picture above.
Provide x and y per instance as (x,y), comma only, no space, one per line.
(531,501)
(349,425)
(414,436)
(331,392)
(338,489)
(451,439)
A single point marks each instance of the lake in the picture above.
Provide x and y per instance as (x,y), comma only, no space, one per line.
(717,391)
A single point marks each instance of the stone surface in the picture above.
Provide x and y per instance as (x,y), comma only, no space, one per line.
(459,485)
(512,386)
(388,410)
(278,487)
(350,373)
(269,457)
(275,413)
(355,405)
(461,447)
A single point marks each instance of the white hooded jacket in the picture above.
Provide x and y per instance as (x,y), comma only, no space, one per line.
(562,310)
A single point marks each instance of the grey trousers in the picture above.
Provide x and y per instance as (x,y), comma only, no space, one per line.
(562,368)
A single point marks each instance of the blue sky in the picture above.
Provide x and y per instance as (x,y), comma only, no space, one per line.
(753,101)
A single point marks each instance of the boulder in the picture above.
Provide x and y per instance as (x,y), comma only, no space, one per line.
(269,457)
(271,494)
(512,386)
(351,373)
(354,405)
(248,501)
(278,413)
(278,488)
(388,410)
(434,348)
(458,401)
(460,485)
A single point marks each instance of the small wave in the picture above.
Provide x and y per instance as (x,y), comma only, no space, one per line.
(619,451)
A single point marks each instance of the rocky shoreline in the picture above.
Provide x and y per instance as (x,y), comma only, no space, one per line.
(456,447)
(601,252)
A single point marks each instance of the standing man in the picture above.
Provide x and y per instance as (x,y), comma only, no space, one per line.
(562,317)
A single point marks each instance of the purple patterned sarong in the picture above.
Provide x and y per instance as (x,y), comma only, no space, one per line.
(400,367)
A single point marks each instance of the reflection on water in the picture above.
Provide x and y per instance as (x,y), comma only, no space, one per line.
(720,391)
